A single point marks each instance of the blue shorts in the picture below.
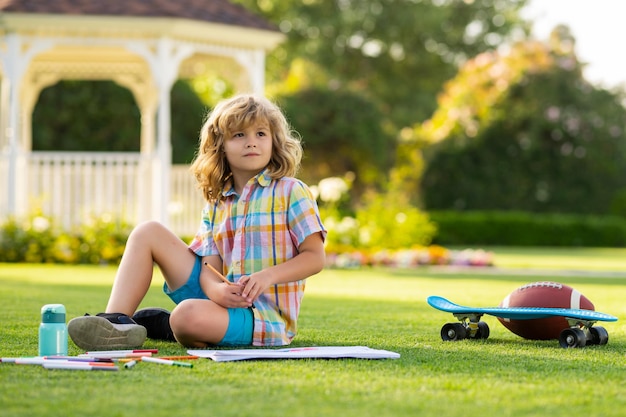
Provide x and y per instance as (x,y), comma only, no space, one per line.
(240,320)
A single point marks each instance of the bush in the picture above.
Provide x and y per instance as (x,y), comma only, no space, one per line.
(37,239)
(528,229)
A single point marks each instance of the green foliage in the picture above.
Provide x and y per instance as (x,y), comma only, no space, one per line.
(386,224)
(538,138)
(32,240)
(188,113)
(618,206)
(380,222)
(528,229)
(101,116)
(86,116)
(400,52)
(38,239)
(350,125)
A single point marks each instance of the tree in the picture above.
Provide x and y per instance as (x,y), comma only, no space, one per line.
(342,133)
(92,116)
(399,52)
(101,116)
(525,131)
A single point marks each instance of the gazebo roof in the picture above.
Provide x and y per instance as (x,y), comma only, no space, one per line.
(215,11)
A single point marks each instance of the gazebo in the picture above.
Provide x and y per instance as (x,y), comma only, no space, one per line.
(143,45)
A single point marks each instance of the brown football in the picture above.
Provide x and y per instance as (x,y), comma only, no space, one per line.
(543,294)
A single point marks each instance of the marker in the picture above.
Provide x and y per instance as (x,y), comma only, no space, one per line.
(43,361)
(78,367)
(128,356)
(29,361)
(106,352)
(78,359)
(73,363)
(130,364)
(175,358)
(10,360)
(119,354)
(166,362)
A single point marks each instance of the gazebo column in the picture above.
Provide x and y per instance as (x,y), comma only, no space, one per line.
(4,126)
(15,61)
(254,63)
(164,64)
(146,97)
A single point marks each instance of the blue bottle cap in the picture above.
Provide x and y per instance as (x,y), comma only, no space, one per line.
(53,313)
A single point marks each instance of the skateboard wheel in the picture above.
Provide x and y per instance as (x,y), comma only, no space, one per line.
(483,330)
(572,338)
(453,332)
(599,335)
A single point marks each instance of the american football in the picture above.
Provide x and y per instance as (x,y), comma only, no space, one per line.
(543,294)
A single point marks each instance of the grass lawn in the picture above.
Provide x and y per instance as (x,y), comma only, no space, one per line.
(385,309)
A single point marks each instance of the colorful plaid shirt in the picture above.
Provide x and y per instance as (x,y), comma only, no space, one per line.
(262,227)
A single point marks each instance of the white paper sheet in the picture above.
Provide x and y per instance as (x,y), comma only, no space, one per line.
(319,352)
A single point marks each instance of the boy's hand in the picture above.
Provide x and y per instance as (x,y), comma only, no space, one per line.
(229,295)
(253,286)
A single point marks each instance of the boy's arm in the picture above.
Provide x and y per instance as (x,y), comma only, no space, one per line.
(222,293)
(309,261)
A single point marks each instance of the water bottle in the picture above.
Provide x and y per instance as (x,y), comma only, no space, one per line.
(53,331)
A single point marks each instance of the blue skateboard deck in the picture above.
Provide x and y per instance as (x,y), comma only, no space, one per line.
(518,313)
(581,332)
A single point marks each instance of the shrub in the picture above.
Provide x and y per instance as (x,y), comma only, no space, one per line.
(528,229)
(37,239)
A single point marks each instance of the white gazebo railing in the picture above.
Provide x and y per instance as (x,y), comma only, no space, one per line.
(71,187)
(186,202)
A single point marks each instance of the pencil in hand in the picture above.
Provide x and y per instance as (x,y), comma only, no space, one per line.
(216,272)
(222,277)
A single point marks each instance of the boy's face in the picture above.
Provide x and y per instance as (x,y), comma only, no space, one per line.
(249,149)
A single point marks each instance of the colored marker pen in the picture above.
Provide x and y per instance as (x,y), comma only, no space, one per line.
(166,362)
(79,367)
(130,364)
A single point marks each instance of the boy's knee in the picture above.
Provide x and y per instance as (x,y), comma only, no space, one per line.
(183,316)
(147,227)
(196,323)
(184,322)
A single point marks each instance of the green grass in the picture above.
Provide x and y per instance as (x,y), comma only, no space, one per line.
(503,375)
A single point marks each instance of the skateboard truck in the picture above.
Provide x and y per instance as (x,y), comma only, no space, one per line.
(470,327)
(582,333)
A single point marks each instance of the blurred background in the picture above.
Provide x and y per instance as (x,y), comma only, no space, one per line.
(452,123)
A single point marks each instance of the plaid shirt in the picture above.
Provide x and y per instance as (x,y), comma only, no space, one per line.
(260,228)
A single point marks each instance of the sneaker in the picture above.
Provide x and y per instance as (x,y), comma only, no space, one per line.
(106,331)
(157,323)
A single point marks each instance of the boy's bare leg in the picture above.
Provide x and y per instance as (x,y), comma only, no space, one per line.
(198,323)
(149,243)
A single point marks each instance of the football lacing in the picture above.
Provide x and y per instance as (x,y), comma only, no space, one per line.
(545,284)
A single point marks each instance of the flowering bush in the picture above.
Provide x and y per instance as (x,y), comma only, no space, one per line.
(410,258)
(382,232)
(38,239)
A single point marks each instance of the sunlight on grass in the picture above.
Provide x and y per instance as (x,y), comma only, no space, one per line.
(601,259)
(87,275)
(381,308)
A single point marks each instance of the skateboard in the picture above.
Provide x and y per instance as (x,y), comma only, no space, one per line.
(581,332)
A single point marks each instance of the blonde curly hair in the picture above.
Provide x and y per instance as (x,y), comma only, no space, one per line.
(210,166)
